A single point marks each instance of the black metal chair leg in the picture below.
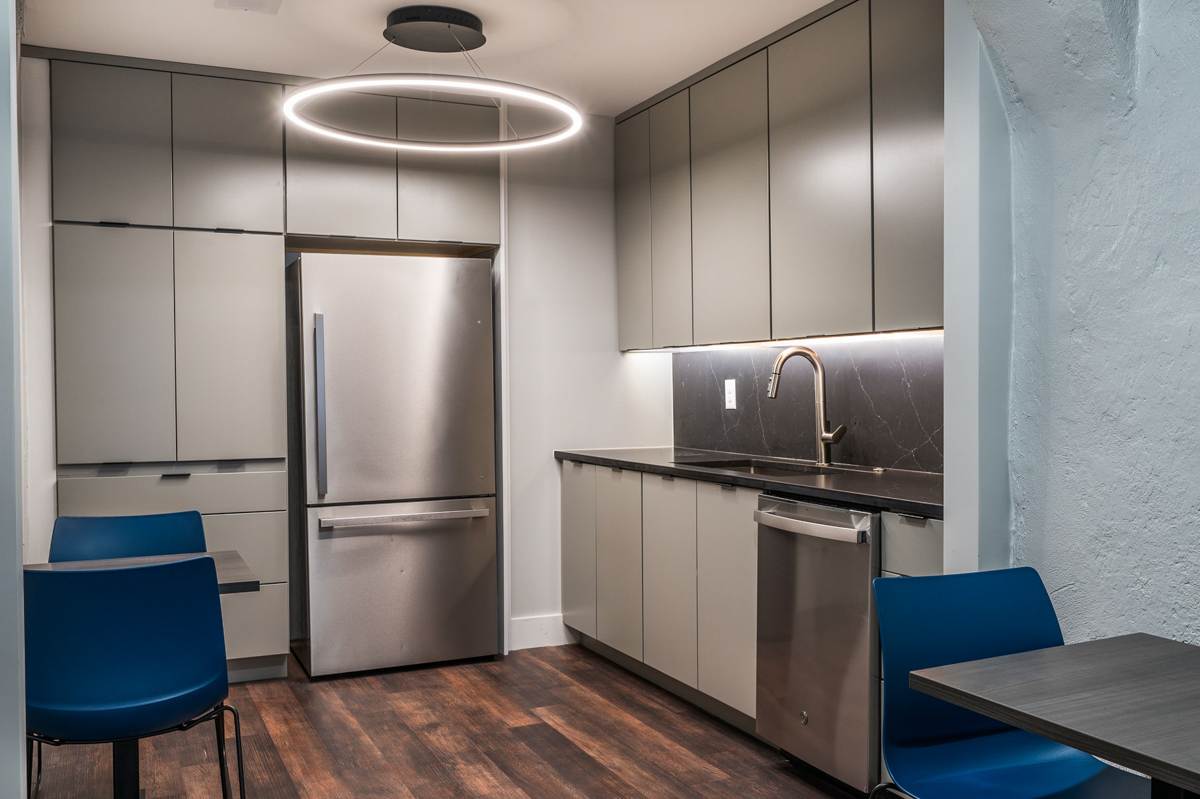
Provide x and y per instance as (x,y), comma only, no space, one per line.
(29,767)
(886,789)
(237,740)
(219,720)
(37,781)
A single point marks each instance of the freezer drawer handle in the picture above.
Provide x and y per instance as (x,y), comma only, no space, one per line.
(319,358)
(436,515)
(849,535)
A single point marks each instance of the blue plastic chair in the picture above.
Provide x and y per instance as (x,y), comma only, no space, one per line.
(100,537)
(115,655)
(936,750)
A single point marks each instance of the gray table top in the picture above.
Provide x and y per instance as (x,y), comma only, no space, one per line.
(233,575)
(1132,700)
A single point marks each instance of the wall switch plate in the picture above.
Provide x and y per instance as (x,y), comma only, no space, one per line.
(730,394)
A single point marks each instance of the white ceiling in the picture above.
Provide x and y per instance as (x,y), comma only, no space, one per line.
(604,55)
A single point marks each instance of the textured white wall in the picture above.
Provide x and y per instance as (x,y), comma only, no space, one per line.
(569,387)
(1105,413)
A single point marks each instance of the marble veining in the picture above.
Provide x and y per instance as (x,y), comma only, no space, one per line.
(887,390)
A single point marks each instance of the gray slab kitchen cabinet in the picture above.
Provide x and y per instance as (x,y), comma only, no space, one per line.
(671,222)
(727,594)
(448,196)
(229,344)
(731,214)
(579,546)
(114,336)
(110,144)
(635,321)
(820,128)
(336,188)
(619,559)
(243,505)
(228,153)
(907,99)
(669,575)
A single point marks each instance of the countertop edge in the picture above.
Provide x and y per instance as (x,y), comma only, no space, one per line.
(707,475)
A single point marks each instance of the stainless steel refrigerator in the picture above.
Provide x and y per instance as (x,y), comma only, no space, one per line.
(394,547)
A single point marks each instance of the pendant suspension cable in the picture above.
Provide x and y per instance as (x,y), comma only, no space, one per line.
(368,58)
(478,70)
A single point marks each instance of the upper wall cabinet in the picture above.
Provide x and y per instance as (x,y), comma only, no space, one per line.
(448,197)
(671,222)
(820,127)
(907,98)
(635,325)
(336,188)
(797,192)
(110,144)
(731,217)
(228,153)
(229,345)
(114,338)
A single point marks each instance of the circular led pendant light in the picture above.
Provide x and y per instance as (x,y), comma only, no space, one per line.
(434,29)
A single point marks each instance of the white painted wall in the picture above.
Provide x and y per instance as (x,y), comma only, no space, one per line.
(12,635)
(1104,96)
(569,388)
(978,303)
(37,311)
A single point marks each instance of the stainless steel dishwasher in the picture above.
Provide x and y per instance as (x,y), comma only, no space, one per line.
(818,644)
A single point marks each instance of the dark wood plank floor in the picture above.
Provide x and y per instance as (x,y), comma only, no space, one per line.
(541,723)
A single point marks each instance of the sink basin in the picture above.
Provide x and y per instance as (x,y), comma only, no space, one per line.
(775,468)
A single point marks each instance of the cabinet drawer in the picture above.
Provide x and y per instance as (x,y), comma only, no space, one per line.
(912,547)
(216,492)
(260,538)
(256,622)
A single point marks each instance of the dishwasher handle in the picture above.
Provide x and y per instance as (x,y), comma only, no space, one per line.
(848,535)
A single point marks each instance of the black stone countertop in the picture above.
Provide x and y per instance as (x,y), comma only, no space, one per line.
(918,493)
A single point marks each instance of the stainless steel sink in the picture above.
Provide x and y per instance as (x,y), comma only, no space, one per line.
(771,468)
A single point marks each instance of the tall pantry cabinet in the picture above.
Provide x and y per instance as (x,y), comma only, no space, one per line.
(169,318)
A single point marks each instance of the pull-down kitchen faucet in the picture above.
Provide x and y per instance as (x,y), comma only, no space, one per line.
(825,438)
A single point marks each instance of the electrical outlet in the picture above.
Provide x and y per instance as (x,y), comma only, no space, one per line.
(730,395)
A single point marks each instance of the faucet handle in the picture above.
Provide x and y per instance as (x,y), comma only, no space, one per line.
(836,436)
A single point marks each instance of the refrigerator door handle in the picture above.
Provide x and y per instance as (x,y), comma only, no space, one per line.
(430,516)
(849,535)
(319,359)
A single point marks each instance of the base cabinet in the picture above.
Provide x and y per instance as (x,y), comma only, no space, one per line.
(727,594)
(243,510)
(669,575)
(579,547)
(665,571)
(619,559)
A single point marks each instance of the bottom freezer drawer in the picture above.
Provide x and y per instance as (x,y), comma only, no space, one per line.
(401,583)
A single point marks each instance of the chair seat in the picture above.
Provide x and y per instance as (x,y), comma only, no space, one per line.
(81,724)
(1011,764)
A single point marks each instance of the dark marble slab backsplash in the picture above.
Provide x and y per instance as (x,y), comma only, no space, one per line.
(887,390)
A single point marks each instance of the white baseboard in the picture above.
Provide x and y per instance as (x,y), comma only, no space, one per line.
(530,632)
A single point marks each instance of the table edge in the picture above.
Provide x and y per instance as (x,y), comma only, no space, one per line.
(1145,764)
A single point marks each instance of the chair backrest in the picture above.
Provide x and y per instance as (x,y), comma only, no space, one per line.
(100,644)
(935,621)
(99,537)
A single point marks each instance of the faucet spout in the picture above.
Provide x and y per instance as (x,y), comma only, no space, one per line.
(826,438)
